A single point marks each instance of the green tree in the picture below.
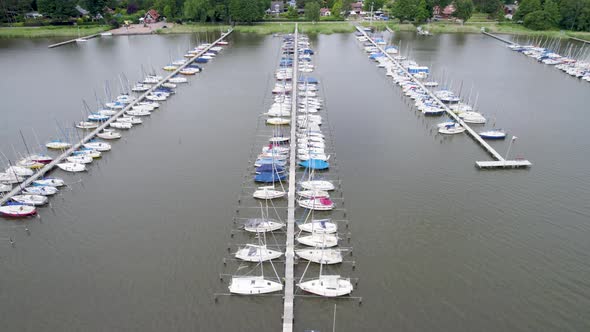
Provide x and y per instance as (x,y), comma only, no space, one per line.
(247,11)
(537,20)
(312,11)
(196,10)
(95,6)
(404,10)
(292,13)
(377,4)
(57,9)
(422,13)
(491,7)
(464,9)
(526,7)
(337,9)
(552,10)
(575,14)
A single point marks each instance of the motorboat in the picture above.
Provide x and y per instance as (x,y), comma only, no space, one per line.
(257,253)
(72,167)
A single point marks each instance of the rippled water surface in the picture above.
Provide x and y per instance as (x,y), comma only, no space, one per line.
(439,245)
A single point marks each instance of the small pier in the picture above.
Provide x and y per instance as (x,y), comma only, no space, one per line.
(498,38)
(500,162)
(47,168)
(74,40)
(288,315)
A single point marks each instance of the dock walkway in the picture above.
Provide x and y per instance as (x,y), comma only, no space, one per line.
(288,315)
(500,161)
(47,168)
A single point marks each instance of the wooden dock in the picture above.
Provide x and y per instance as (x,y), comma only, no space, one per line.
(288,315)
(500,161)
(74,40)
(47,168)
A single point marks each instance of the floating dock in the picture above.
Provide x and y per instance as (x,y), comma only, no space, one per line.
(498,38)
(47,168)
(288,316)
(74,40)
(500,161)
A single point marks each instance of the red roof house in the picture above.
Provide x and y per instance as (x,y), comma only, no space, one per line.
(151,16)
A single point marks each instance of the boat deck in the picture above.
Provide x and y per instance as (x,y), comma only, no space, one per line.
(288,316)
(500,162)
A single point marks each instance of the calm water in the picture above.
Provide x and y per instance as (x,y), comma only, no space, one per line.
(438,245)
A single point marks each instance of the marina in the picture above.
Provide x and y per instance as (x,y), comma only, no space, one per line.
(501,161)
(106,122)
(438,244)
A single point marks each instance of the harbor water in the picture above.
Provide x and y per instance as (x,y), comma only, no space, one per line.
(137,243)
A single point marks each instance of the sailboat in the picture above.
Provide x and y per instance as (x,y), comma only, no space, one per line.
(41,190)
(319,226)
(72,167)
(16,210)
(320,256)
(32,200)
(49,181)
(268,192)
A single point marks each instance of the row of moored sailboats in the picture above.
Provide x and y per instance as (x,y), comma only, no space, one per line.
(317,238)
(36,193)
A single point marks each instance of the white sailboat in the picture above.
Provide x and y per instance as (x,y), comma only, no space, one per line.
(321,256)
(257,253)
(328,286)
(319,226)
(32,200)
(41,190)
(72,167)
(319,240)
(268,192)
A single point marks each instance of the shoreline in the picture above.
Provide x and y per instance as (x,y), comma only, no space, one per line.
(322,27)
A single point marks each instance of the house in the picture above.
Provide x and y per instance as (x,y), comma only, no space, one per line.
(81,11)
(510,9)
(447,12)
(34,15)
(151,16)
(325,12)
(276,7)
(356,7)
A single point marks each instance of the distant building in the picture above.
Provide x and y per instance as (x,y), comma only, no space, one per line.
(81,11)
(325,12)
(34,15)
(292,3)
(151,16)
(276,7)
(356,7)
(510,9)
(446,12)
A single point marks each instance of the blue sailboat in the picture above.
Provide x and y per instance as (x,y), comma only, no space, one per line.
(315,164)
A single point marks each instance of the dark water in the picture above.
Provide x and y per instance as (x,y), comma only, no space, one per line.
(438,245)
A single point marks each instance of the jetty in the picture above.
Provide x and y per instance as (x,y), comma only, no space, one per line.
(288,316)
(498,38)
(500,162)
(74,40)
(49,167)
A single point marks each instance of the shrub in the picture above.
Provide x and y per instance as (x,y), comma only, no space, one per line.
(538,20)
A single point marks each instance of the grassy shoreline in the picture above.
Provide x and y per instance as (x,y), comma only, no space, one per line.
(324,27)
(491,27)
(50,31)
(265,28)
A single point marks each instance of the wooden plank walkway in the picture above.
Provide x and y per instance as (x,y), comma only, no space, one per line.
(472,133)
(288,315)
(47,168)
